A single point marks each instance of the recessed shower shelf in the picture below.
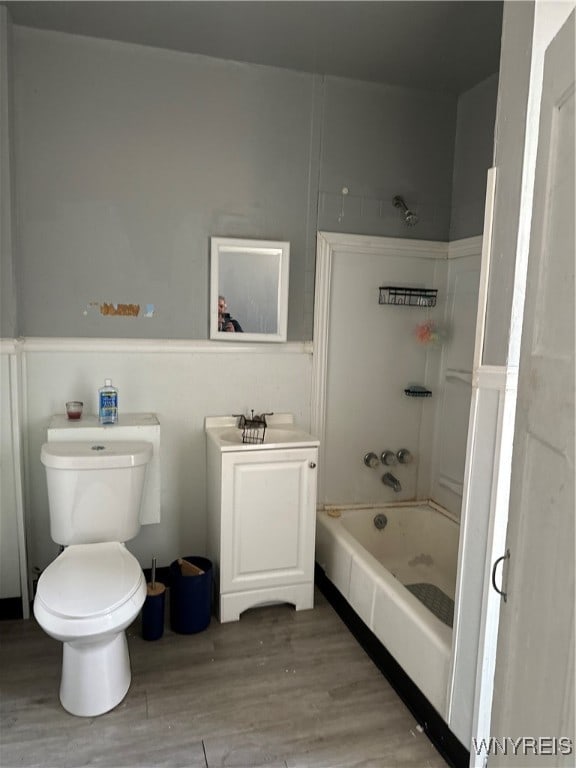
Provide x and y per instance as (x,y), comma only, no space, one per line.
(417,391)
(407,297)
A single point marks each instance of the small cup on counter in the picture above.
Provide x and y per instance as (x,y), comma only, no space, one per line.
(74,409)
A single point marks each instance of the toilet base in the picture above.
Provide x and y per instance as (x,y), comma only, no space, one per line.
(95,675)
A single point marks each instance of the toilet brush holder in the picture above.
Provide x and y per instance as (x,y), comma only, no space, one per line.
(153,608)
(153,612)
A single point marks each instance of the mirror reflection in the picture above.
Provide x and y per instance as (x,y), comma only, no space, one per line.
(226,323)
(249,290)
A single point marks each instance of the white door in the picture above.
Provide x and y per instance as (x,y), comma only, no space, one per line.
(533,705)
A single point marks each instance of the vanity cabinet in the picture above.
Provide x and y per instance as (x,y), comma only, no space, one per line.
(262,522)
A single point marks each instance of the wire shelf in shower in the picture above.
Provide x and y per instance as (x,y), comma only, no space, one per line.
(407,297)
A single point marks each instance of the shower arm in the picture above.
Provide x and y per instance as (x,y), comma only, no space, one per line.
(410,217)
(398,202)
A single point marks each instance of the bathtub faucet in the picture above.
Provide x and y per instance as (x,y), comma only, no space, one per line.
(393,482)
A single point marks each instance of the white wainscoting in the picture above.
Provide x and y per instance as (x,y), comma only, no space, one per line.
(13,565)
(182,382)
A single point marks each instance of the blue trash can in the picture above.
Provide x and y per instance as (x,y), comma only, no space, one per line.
(190,597)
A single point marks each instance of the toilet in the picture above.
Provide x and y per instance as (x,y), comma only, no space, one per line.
(95,588)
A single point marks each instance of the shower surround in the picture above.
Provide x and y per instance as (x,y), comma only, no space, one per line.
(367,354)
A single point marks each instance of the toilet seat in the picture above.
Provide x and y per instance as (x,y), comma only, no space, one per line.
(89,589)
(89,580)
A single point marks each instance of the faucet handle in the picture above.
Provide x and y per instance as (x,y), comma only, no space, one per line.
(371,460)
(388,458)
(404,456)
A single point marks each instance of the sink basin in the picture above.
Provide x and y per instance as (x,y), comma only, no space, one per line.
(274,437)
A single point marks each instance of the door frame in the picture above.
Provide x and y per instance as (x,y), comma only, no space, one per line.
(548,19)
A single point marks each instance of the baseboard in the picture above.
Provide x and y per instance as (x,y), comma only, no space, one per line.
(11,608)
(432,723)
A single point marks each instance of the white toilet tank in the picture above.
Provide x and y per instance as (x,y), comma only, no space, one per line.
(130,427)
(95,489)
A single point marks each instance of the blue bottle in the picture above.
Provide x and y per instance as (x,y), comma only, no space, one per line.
(108,403)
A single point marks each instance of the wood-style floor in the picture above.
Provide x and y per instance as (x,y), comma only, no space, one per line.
(279,688)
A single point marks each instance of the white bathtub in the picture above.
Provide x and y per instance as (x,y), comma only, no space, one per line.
(371,567)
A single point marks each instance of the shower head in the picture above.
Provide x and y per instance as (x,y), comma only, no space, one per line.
(410,218)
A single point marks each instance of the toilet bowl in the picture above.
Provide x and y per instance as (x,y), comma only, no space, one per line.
(86,598)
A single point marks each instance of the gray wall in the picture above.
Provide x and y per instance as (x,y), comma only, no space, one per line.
(8,304)
(380,141)
(473,155)
(127,159)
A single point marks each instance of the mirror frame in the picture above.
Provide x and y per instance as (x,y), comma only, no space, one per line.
(222,245)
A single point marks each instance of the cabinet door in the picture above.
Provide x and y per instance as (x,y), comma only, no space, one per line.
(268,518)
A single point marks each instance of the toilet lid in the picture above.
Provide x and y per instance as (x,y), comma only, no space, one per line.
(88,580)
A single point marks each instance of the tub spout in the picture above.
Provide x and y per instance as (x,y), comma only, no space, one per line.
(393,482)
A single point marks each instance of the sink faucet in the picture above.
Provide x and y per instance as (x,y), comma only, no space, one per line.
(254,418)
(261,417)
(393,482)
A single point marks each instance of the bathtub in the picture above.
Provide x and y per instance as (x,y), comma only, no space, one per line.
(372,569)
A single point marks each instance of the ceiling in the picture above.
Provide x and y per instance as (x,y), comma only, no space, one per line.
(443,46)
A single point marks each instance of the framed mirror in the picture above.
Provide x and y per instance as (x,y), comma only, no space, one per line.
(248,289)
